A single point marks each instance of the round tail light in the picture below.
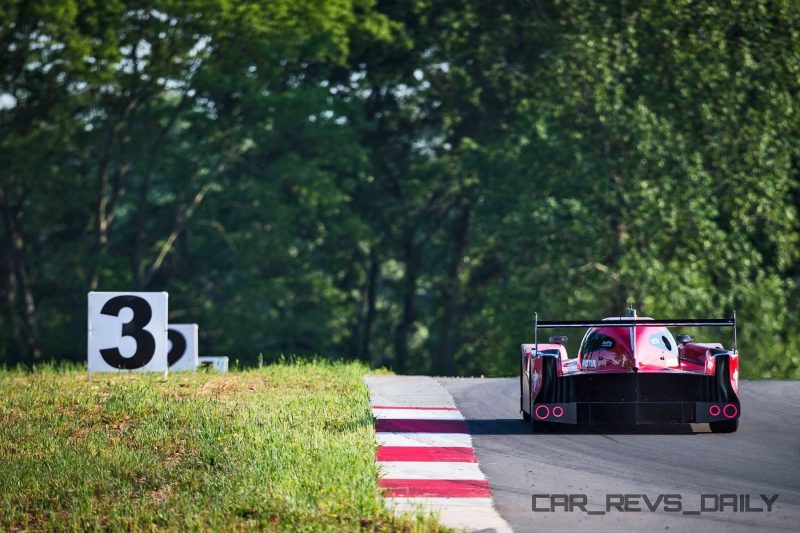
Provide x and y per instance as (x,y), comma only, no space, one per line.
(542,408)
(730,410)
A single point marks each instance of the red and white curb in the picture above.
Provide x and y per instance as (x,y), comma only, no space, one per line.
(425,454)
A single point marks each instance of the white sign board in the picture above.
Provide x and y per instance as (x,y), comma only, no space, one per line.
(220,364)
(127,331)
(182,354)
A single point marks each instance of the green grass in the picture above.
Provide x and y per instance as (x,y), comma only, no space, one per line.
(286,447)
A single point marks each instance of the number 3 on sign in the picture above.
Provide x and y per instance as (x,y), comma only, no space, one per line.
(127,331)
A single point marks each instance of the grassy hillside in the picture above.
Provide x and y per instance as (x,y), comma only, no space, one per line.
(287,447)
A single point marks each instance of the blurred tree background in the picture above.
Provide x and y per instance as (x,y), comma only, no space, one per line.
(403,183)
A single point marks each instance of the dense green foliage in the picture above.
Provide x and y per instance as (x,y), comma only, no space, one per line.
(286,447)
(404,183)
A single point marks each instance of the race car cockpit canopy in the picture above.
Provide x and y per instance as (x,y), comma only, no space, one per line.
(614,346)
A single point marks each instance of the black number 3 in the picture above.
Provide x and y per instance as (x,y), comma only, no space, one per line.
(145,343)
(178,346)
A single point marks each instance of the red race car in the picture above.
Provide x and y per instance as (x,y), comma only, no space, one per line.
(631,370)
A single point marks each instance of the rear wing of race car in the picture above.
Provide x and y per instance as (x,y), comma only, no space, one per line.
(632,322)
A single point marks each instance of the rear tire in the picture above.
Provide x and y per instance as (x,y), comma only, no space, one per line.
(728,426)
(526,416)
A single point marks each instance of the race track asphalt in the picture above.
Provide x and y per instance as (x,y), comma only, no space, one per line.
(763,457)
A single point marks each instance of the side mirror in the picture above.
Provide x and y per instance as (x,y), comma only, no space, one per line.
(684,338)
(559,339)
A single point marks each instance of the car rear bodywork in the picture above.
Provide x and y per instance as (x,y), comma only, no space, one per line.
(631,371)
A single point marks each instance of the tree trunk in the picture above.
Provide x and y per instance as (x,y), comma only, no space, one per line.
(408,316)
(110,189)
(10,297)
(450,331)
(182,218)
(19,296)
(139,267)
(372,295)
